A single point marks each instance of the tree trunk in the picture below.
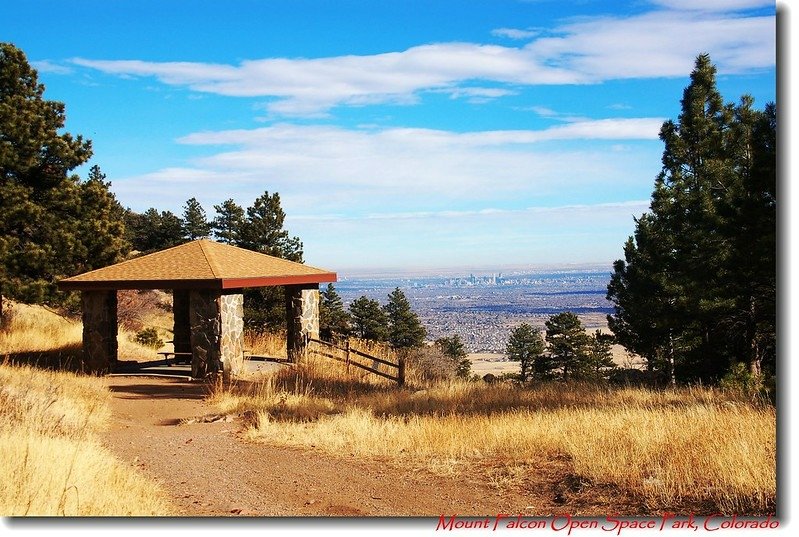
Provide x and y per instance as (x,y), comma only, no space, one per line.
(672,375)
(754,359)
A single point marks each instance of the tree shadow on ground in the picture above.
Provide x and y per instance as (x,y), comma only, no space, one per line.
(62,359)
(163,390)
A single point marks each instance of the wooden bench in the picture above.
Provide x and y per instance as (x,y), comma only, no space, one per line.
(179,357)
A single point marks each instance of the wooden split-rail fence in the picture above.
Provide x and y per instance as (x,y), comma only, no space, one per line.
(354,357)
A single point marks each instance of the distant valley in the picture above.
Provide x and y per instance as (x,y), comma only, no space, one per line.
(483,308)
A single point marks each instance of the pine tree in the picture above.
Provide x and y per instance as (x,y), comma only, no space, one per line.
(103,236)
(696,290)
(369,321)
(526,346)
(599,358)
(229,223)
(153,231)
(568,345)
(453,348)
(263,230)
(333,318)
(405,329)
(195,222)
(44,232)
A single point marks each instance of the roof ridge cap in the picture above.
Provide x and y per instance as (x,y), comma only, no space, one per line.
(211,263)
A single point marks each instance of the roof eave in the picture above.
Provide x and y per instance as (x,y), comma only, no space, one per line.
(271,281)
(224,283)
(111,285)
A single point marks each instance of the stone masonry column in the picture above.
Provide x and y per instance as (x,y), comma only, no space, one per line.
(302,318)
(231,310)
(217,332)
(205,332)
(181,331)
(99,330)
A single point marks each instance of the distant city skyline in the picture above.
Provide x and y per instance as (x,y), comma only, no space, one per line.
(405,136)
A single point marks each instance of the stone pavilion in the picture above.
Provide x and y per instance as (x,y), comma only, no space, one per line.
(206,279)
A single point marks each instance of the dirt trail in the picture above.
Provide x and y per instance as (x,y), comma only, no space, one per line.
(209,469)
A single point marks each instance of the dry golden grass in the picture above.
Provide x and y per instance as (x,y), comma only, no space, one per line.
(50,457)
(698,445)
(38,335)
(51,460)
(272,344)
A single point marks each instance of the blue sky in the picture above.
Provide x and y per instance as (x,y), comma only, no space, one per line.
(399,134)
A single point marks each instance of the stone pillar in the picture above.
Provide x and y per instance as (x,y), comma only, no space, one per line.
(217,332)
(302,318)
(182,325)
(205,332)
(231,310)
(99,330)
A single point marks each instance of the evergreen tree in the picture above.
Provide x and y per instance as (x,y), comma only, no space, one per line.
(263,230)
(526,346)
(749,224)
(453,348)
(369,321)
(405,329)
(102,224)
(153,231)
(568,345)
(195,222)
(333,318)
(696,290)
(599,356)
(44,234)
(170,231)
(229,223)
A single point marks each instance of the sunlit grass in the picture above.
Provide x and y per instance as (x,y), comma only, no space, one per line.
(696,445)
(51,459)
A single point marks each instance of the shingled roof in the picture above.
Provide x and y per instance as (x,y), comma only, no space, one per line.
(201,264)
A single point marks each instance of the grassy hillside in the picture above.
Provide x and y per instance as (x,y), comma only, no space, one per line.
(51,460)
(699,449)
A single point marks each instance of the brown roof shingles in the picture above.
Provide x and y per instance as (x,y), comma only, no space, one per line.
(199,264)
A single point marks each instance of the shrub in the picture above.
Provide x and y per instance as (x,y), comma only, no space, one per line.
(149,338)
(7,309)
(430,363)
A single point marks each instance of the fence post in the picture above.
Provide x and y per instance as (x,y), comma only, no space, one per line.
(401,371)
(347,348)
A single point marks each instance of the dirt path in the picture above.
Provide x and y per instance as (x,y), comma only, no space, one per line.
(210,470)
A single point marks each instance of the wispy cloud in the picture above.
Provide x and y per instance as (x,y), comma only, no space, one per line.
(477,95)
(714,5)
(632,207)
(49,66)
(586,51)
(399,170)
(514,33)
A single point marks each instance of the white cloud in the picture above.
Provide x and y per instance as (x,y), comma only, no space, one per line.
(48,66)
(514,33)
(656,44)
(631,207)
(659,44)
(313,85)
(477,94)
(714,5)
(469,197)
(320,169)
